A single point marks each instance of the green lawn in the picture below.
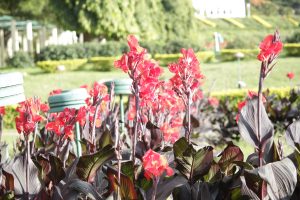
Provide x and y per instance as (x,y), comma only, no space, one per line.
(224,75)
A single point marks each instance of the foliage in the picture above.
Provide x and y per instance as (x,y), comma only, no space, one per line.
(138,162)
(53,66)
(86,50)
(20,59)
(295,38)
(102,63)
(292,49)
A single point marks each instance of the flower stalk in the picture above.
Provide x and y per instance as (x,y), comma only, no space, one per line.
(155,183)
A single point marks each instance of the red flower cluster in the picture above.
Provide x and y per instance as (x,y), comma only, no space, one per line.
(99,92)
(2,110)
(155,165)
(30,114)
(213,101)
(251,95)
(187,78)
(290,75)
(143,71)
(61,123)
(54,92)
(270,47)
(171,130)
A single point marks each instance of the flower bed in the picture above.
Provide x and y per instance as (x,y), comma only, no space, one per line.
(71,152)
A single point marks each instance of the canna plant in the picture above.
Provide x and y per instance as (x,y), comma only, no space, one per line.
(159,155)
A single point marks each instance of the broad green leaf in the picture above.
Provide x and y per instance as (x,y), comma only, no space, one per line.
(248,124)
(191,163)
(89,164)
(214,174)
(128,169)
(57,172)
(230,154)
(293,135)
(127,189)
(105,139)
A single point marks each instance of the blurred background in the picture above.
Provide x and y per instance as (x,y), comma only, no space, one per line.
(59,43)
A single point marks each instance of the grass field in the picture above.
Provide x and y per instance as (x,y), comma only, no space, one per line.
(223,75)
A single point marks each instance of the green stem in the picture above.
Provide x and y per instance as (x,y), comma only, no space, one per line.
(77,139)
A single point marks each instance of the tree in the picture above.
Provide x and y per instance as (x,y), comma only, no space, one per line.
(104,18)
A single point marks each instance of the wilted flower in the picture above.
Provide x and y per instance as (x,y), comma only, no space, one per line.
(155,165)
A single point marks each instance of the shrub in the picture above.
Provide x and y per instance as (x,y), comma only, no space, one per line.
(283,105)
(295,38)
(52,66)
(9,117)
(86,50)
(203,56)
(292,49)
(20,59)
(102,63)
(230,54)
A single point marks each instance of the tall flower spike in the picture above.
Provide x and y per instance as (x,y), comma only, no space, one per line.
(270,47)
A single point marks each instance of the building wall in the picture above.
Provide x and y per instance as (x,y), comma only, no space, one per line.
(220,8)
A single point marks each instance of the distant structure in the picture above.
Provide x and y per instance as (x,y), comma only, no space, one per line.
(220,8)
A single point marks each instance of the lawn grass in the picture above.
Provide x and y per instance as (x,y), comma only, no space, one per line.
(223,75)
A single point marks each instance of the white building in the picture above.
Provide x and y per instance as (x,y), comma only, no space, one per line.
(220,8)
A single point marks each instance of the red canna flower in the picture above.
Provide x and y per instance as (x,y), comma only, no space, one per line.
(290,75)
(142,70)
(270,47)
(155,165)
(29,115)
(54,92)
(170,133)
(213,101)
(187,78)
(63,123)
(99,92)
(81,115)
(2,110)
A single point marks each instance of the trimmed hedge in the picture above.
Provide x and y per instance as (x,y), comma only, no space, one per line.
(52,66)
(102,63)
(85,50)
(292,49)
(203,56)
(230,54)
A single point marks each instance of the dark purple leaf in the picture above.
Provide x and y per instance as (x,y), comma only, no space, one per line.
(231,153)
(166,186)
(281,178)
(89,164)
(17,168)
(293,135)
(191,163)
(127,189)
(248,125)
